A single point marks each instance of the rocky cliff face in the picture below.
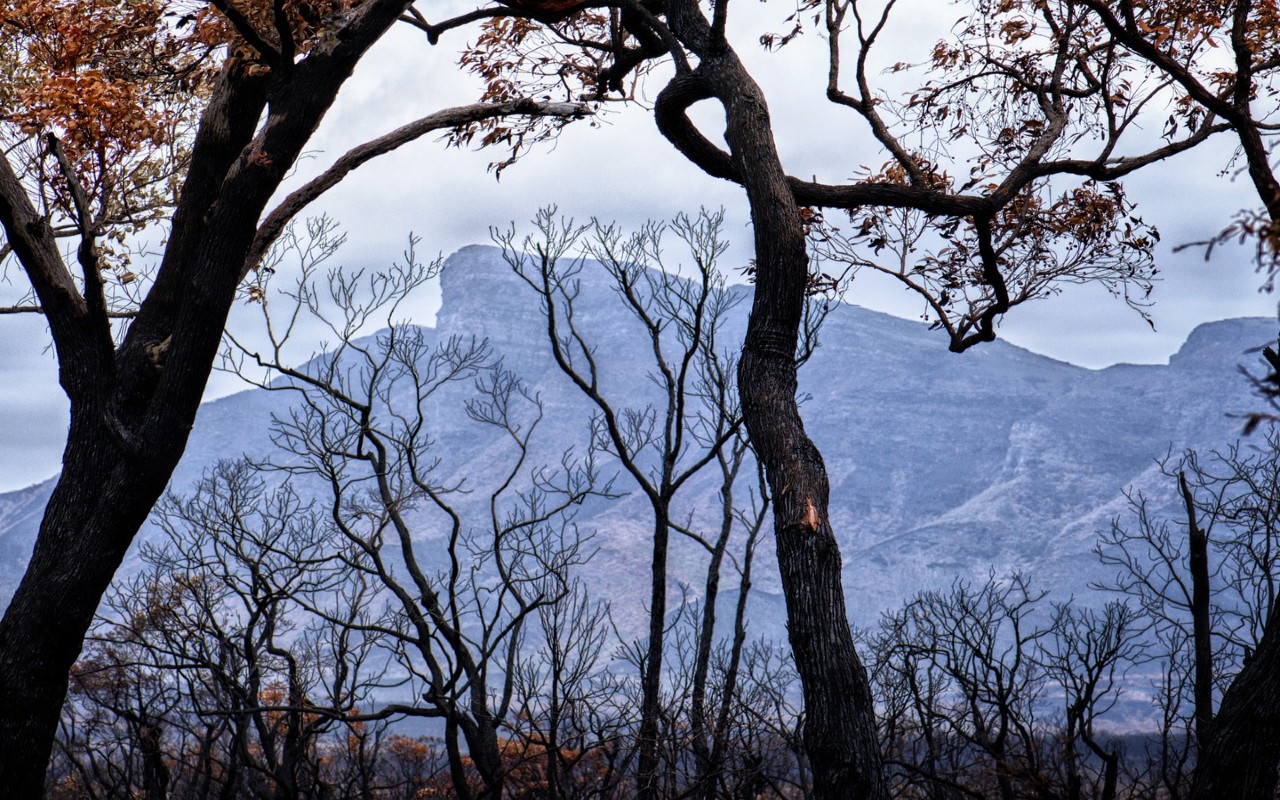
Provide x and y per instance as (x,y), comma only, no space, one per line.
(942,466)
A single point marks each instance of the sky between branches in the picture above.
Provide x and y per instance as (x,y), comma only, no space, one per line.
(624,171)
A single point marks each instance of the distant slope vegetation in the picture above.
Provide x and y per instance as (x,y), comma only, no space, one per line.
(942,466)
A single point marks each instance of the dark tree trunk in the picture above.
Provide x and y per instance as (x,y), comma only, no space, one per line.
(1243,750)
(1198,558)
(132,407)
(91,517)
(651,679)
(155,772)
(840,730)
(1110,775)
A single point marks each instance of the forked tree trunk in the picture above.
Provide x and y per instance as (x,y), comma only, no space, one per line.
(840,731)
(132,406)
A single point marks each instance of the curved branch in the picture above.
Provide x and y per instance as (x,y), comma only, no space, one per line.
(683,91)
(991,276)
(271,227)
(247,31)
(673,122)
(670,112)
(865,103)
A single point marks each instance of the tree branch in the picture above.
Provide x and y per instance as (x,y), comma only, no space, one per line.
(416,19)
(33,242)
(87,252)
(670,113)
(1114,169)
(992,277)
(288,47)
(672,121)
(1134,41)
(276,221)
(247,31)
(37,309)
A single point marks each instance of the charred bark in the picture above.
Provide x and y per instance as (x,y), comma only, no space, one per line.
(132,407)
(1240,759)
(651,677)
(1202,647)
(840,731)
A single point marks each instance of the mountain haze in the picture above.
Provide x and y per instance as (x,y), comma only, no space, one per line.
(942,466)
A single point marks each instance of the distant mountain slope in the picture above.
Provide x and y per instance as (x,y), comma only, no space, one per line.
(942,466)
(20,514)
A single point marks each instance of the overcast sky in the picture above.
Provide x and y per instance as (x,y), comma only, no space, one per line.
(622,170)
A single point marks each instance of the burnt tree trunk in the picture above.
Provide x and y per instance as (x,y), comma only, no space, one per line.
(840,731)
(1202,646)
(98,503)
(651,674)
(1241,755)
(132,406)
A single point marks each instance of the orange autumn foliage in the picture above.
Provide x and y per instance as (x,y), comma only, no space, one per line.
(121,84)
(116,83)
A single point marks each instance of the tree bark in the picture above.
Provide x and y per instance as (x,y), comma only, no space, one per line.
(651,678)
(1202,646)
(1243,750)
(132,407)
(90,519)
(840,730)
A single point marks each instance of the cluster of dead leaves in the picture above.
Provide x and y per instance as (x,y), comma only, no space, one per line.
(118,84)
(517,56)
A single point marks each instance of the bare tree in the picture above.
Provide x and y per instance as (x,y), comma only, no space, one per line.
(1087,655)
(711,717)
(453,626)
(992,231)
(491,634)
(692,422)
(971,679)
(569,723)
(254,81)
(1205,582)
(979,642)
(243,697)
(115,727)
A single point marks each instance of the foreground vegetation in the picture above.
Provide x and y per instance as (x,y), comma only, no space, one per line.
(291,622)
(994,180)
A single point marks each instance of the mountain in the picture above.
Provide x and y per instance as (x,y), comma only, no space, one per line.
(942,465)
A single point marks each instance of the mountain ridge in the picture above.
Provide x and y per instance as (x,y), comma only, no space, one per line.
(942,466)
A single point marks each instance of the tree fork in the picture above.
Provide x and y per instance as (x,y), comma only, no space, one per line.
(131,416)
